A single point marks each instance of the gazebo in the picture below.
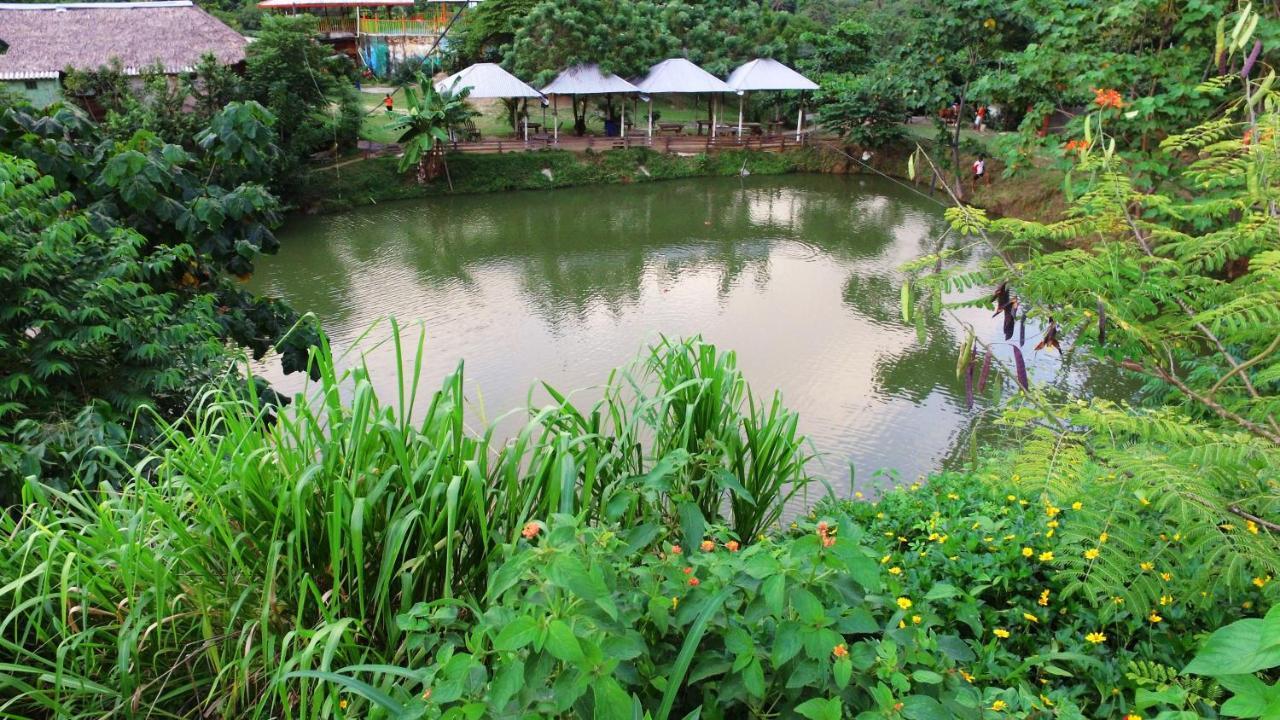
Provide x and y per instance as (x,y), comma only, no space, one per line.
(585,80)
(766,74)
(488,80)
(679,76)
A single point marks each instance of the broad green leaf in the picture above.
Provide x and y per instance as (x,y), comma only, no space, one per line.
(516,634)
(1235,650)
(562,643)
(821,709)
(841,671)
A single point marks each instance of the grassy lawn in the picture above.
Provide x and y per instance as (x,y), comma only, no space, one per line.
(492,121)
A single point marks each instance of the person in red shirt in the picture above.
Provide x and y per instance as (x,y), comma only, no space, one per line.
(980,119)
(388,103)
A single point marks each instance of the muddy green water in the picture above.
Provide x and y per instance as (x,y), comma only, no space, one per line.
(796,273)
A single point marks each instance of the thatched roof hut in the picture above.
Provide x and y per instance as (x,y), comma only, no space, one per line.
(44,39)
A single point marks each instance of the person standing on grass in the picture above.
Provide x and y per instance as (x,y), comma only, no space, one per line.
(980,119)
(388,103)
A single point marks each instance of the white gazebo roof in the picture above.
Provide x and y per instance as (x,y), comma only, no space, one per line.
(678,75)
(587,80)
(487,80)
(766,74)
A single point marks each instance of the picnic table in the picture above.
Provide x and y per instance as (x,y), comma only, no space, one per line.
(673,127)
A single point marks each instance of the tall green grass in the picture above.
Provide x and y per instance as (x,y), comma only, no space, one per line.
(258,549)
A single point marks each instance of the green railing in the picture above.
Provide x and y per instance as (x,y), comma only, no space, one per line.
(403,26)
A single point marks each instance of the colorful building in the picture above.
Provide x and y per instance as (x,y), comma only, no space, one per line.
(40,41)
(378,34)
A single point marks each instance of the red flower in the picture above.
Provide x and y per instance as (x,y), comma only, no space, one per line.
(530,530)
(1107,98)
(693,582)
(1072,145)
(675,550)
(688,571)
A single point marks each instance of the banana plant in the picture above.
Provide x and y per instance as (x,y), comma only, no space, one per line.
(425,125)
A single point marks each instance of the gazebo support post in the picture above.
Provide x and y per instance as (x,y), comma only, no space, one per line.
(741,95)
(799,120)
(650,133)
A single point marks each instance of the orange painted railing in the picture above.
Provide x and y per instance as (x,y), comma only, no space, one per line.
(432,23)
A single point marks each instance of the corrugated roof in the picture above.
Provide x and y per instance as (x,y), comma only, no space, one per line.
(44,39)
(488,80)
(766,74)
(304,4)
(587,80)
(678,75)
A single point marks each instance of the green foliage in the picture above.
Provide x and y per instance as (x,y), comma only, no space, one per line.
(86,338)
(426,123)
(1234,654)
(304,86)
(1176,286)
(260,545)
(193,236)
(621,36)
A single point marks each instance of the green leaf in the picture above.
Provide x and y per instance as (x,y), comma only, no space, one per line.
(841,671)
(562,643)
(359,687)
(611,701)
(942,591)
(1235,650)
(692,524)
(927,677)
(808,607)
(821,709)
(786,643)
(772,592)
(690,648)
(923,707)
(516,634)
(753,678)
(507,681)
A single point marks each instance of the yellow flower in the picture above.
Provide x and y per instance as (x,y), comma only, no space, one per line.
(1028,552)
(1092,554)
(885,559)
(916,619)
(1051,510)
(1049,534)
(1010,537)
(1052,523)
(1103,538)
(1261,581)
(1095,637)
(1000,633)
(1166,576)
(879,516)
(1030,618)
(895,570)
(1023,503)
(1010,498)
(675,603)
(1146,566)
(967,677)
(1044,598)
(989,23)
(902,624)
(952,496)
(858,494)
(1145,502)
(1046,556)
(1166,600)
(342,704)
(904,603)
(1117,600)
(1153,617)
(999,705)
(1133,716)
(1251,526)
(1077,505)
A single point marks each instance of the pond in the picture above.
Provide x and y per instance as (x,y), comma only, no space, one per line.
(798,274)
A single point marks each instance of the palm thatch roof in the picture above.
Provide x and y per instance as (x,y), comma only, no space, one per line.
(44,39)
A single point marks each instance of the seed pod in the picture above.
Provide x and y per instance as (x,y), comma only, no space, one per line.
(1249,61)
(968,385)
(1021,368)
(1010,313)
(986,370)
(1022,330)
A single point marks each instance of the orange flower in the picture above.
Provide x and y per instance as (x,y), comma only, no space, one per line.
(1107,98)
(688,571)
(708,546)
(822,527)
(828,541)
(1073,145)
(732,546)
(675,550)
(840,651)
(530,530)
(693,582)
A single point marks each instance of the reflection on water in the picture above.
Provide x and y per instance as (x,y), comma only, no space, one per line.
(798,274)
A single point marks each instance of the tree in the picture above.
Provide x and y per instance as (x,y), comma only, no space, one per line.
(484,31)
(621,36)
(425,126)
(91,330)
(304,85)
